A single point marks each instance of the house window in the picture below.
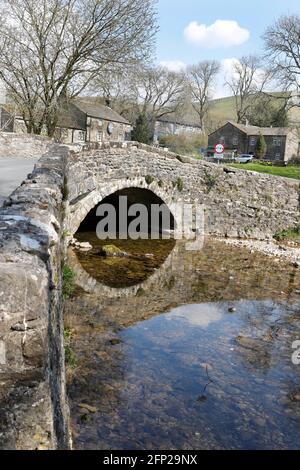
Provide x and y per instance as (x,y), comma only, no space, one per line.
(277,141)
(99,136)
(252,141)
(235,141)
(278,156)
(81,136)
(222,140)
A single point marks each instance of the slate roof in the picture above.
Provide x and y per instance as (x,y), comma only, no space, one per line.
(178,121)
(254,130)
(100,111)
(71,117)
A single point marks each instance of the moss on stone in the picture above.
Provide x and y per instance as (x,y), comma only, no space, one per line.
(112,250)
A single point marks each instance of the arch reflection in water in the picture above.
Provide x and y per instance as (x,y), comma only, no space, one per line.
(143,260)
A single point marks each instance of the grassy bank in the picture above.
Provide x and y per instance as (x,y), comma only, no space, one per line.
(287,172)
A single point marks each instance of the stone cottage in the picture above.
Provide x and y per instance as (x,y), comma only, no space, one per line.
(168,125)
(82,121)
(282,143)
(87,121)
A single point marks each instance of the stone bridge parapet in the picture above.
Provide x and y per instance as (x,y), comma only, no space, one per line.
(237,203)
(33,406)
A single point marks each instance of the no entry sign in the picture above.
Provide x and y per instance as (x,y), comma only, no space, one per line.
(219,148)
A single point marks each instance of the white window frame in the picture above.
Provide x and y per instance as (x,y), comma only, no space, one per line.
(277,141)
(81,136)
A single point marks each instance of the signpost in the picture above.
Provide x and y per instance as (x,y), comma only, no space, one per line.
(219,152)
(219,149)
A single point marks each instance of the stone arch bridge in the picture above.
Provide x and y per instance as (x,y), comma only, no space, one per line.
(65,186)
(236,203)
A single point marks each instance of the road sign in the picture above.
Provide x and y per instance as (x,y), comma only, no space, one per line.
(219,148)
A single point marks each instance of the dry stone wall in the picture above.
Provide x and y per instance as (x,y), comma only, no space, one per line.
(23,145)
(33,410)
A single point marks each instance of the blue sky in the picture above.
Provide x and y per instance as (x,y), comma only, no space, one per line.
(193,30)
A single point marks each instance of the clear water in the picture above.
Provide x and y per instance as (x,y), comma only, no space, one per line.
(197,356)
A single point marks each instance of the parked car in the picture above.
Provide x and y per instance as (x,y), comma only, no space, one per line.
(210,151)
(244,158)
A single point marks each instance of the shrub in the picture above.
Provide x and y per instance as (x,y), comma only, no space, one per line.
(261,146)
(149,179)
(294,161)
(287,234)
(179,184)
(210,180)
(68,286)
(141,130)
(184,143)
(70,358)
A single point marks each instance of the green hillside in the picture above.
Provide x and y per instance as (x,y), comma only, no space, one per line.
(223,110)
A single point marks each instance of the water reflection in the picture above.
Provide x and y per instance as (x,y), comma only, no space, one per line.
(121,272)
(199,358)
(199,314)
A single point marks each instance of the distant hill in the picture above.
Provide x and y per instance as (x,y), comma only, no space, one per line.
(223,110)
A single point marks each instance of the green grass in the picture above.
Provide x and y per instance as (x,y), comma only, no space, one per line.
(223,110)
(68,282)
(287,172)
(290,234)
(70,358)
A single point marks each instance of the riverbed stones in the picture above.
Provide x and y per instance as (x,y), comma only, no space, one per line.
(112,251)
(89,408)
(296,396)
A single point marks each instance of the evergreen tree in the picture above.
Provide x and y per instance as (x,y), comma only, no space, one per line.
(141,131)
(261,146)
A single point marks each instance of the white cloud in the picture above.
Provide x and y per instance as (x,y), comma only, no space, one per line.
(226,71)
(199,314)
(222,33)
(173,65)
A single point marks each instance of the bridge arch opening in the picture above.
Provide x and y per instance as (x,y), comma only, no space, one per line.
(159,217)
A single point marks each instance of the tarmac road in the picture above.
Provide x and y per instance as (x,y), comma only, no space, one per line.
(13,171)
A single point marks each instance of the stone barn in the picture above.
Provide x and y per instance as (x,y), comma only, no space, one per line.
(282,143)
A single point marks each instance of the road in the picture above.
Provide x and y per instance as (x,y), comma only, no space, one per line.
(13,171)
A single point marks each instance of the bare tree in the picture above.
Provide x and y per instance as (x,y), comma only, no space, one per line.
(52,49)
(246,83)
(201,78)
(156,92)
(282,43)
(160,92)
(116,87)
